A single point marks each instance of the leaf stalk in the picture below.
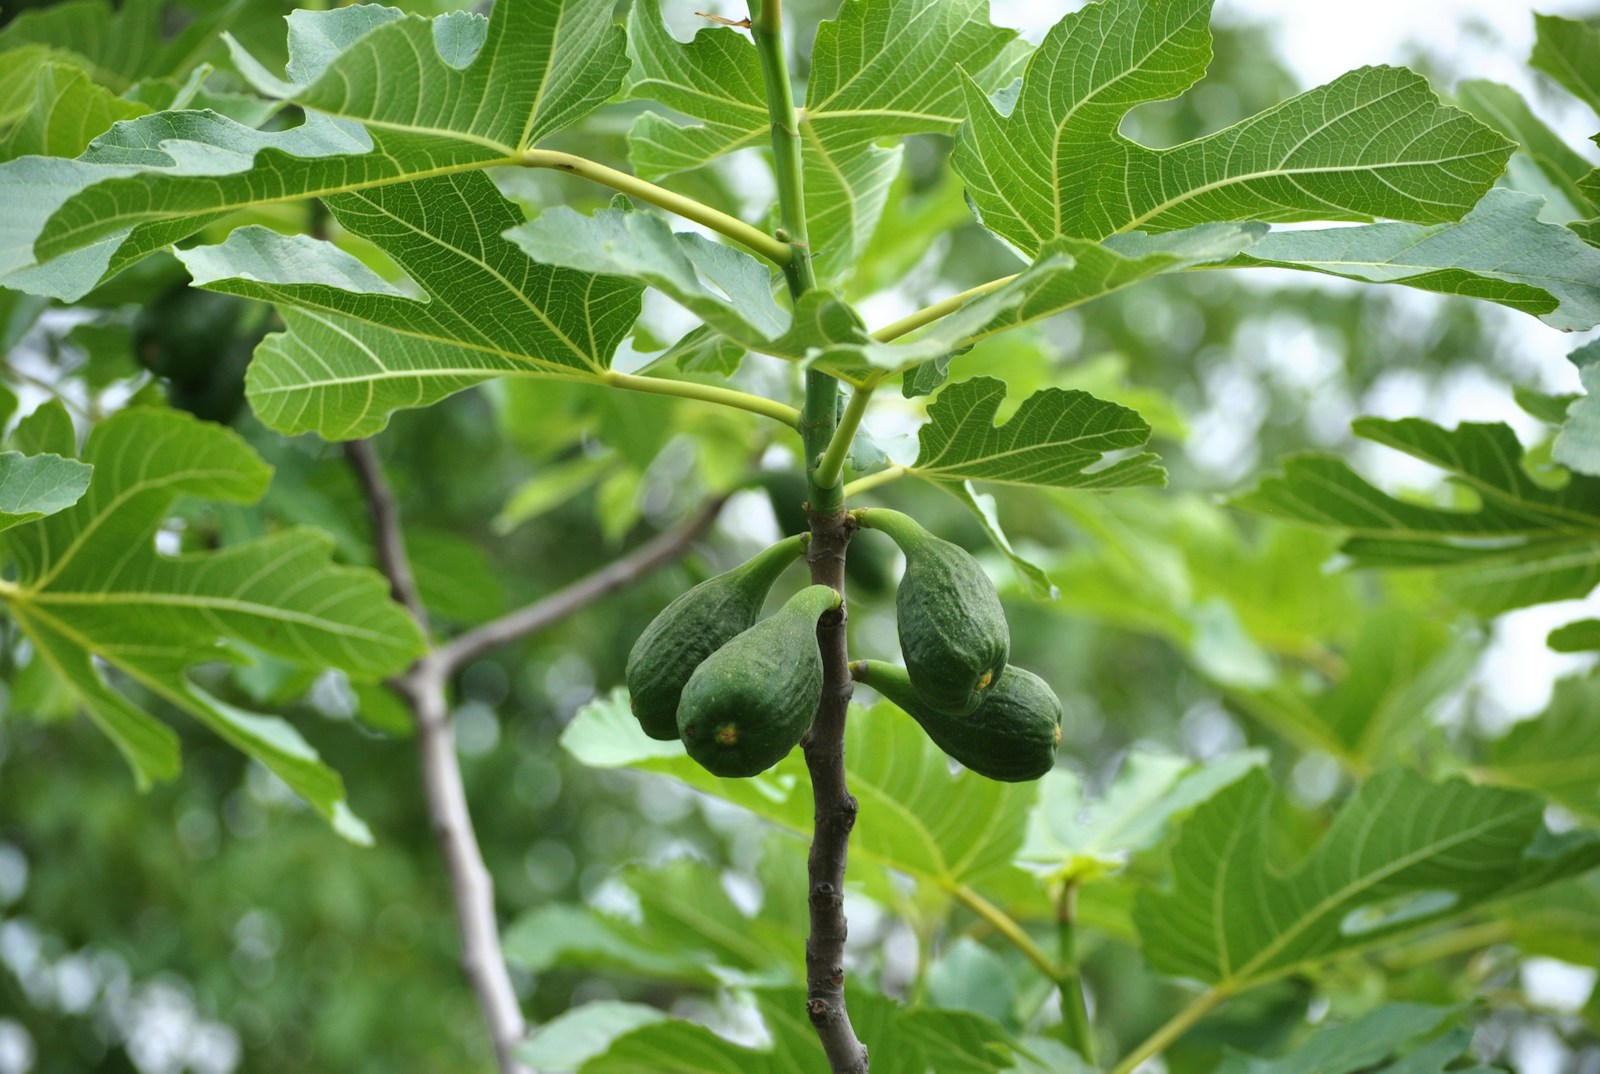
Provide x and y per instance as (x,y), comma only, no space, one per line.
(707,393)
(830,468)
(775,250)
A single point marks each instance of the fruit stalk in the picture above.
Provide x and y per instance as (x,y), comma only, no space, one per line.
(831,527)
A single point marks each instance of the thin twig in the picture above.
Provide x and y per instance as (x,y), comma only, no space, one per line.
(423,688)
(387,537)
(662,549)
(471,885)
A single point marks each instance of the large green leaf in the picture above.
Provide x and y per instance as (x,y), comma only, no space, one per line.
(1373,143)
(1561,166)
(356,348)
(1403,854)
(33,486)
(949,831)
(687,929)
(1556,753)
(1083,838)
(1393,675)
(121,44)
(879,70)
(1052,440)
(1523,543)
(1568,50)
(1500,252)
(90,587)
(900,1040)
(1364,1045)
(49,105)
(388,98)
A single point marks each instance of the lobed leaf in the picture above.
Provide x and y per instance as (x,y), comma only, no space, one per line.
(1568,50)
(1556,753)
(1526,543)
(1561,166)
(1374,142)
(90,587)
(388,98)
(1365,1044)
(357,348)
(879,70)
(1500,252)
(33,486)
(1052,440)
(1403,854)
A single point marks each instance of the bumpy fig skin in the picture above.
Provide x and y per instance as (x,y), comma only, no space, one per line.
(1011,737)
(693,627)
(953,631)
(752,700)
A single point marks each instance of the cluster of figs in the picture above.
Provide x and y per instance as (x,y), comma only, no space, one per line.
(741,691)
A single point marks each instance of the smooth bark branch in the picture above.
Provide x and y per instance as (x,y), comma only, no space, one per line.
(424,690)
(660,550)
(471,886)
(388,538)
(835,809)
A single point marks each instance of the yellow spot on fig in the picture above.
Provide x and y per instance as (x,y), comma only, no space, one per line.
(988,677)
(727,735)
(1058,735)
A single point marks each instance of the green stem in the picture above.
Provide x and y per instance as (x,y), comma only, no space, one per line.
(885,476)
(1006,926)
(1177,1026)
(928,314)
(708,393)
(775,250)
(766,27)
(1075,1031)
(830,469)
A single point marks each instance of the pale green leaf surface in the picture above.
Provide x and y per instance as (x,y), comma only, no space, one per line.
(1085,838)
(1525,543)
(1393,674)
(1568,50)
(52,108)
(387,100)
(729,290)
(1372,143)
(901,1040)
(1577,446)
(1556,753)
(1500,252)
(356,348)
(91,584)
(688,930)
(32,486)
(878,70)
(121,44)
(575,1036)
(1403,854)
(946,830)
(1053,439)
(1364,1045)
(1504,109)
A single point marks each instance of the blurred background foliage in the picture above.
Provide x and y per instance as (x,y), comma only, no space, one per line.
(216,925)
